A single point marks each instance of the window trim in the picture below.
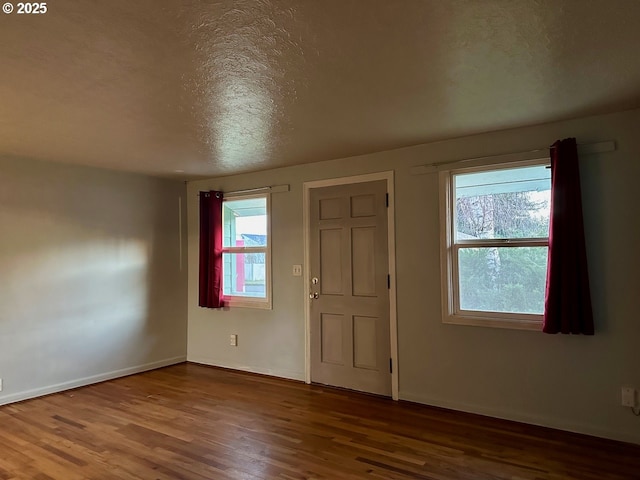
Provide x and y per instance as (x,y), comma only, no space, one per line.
(451,311)
(252,302)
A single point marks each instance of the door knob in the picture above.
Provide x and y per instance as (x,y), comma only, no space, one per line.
(314,295)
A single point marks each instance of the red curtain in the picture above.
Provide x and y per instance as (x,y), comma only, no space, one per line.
(210,293)
(567,306)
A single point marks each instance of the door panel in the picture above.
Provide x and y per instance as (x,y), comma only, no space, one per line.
(333,339)
(350,340)
(330,208)
(331,260)
(363,242)
(365,334)
(363,206)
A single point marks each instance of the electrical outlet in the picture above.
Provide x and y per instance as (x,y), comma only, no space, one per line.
(628,397)
(233,340)
(297,270)
(0,384)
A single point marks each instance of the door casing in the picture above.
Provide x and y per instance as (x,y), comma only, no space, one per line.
(393,321)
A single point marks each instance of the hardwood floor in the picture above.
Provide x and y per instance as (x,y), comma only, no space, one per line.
(195,422)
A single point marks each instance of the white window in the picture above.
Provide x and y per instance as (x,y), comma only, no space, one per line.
(494,245)
(246,251)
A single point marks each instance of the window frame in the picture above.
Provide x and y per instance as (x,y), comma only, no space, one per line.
(449,255)
(239,300)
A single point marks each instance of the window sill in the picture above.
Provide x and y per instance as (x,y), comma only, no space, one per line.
(240,302)
(478,321)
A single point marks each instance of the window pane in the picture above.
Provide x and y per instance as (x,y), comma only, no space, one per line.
(505,203)
(244,274)
(244,222)
(503,279)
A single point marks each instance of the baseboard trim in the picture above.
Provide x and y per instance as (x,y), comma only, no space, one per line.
(555,423)
(82,382)
(243,368)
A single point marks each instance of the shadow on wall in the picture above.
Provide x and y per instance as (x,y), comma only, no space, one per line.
(90,274)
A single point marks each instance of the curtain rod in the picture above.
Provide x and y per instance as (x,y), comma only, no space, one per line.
(270,189)
(583,149)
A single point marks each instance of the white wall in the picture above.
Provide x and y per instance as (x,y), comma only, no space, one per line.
(568,382)
(91,285)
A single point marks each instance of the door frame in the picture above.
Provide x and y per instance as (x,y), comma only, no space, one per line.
(391,245)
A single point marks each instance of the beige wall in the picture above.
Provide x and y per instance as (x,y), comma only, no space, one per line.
(560,381)
(91,285)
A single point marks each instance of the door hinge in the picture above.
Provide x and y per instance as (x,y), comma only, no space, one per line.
(388,282)
(386,199)
(391,365)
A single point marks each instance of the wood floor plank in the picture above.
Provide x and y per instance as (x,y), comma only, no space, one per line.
(194,422)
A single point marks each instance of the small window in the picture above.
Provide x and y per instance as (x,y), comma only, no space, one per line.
(494,244)
(246,252)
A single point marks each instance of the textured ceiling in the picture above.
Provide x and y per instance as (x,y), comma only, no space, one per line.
(206,88)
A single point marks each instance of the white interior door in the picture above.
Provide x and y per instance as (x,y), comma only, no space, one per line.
(349,314)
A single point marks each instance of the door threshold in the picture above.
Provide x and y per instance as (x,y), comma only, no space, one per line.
(350,390)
